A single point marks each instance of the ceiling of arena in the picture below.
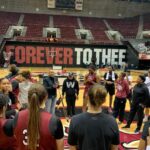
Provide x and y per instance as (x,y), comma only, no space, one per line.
(91,8)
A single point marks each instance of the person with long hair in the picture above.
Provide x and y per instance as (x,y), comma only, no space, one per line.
(94,130)
(6,89)
(129,80)
(110,78)
(24,88)
(89,80)
(6,142)
(34,128)
(122,90)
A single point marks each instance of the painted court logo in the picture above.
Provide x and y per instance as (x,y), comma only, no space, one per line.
(66,131)
(128,140)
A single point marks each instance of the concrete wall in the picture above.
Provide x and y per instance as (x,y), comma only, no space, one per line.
(91,8)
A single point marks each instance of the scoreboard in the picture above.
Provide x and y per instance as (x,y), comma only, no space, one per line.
(65,4)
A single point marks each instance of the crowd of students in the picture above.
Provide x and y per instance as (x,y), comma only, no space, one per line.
(27,111)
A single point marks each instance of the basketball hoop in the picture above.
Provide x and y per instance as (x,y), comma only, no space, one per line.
(7,57)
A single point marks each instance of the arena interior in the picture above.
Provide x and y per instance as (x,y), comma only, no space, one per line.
(67,35)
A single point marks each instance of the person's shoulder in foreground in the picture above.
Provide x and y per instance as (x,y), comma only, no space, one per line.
(90,128)
(145,138)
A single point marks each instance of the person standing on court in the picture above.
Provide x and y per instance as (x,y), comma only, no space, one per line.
(71,90)
(51,84)
(13,71)
(147,82)
(110,77)
(122,90)
(34,128)
(139,98)
(89,80)
(6,89)
(144,143)
(94,130)
(6,142)
(129,79)
(24,88)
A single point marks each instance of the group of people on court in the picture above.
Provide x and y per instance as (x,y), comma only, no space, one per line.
(27,111)
(138,96)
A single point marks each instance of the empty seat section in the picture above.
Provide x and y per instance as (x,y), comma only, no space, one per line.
(128,27)
(35,24)
(8,19)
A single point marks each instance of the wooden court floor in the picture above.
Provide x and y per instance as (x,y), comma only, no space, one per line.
(79,102)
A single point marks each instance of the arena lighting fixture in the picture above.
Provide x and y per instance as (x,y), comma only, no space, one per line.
(37,9)
(51,39)
(2,6)
(90,13)
(64,11)
(119,15)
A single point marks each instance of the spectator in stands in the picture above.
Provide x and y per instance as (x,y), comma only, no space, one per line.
(34,127)
(147,82)
(24,88)
(110,77)
(140,95)
(94,129)
(89,80)
(51,84)
(6,142)
(71,90)
(122,90)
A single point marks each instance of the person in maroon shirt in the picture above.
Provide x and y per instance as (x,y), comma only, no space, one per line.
(89,80)
(6,142)
(122,91)
(34,128)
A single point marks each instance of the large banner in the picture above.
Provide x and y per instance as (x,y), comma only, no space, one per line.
(28,54)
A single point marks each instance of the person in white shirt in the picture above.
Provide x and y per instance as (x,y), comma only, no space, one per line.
(24,88)
(129,80)
(147,82)
(110,77)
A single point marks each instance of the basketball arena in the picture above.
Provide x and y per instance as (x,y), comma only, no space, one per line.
(67,37)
